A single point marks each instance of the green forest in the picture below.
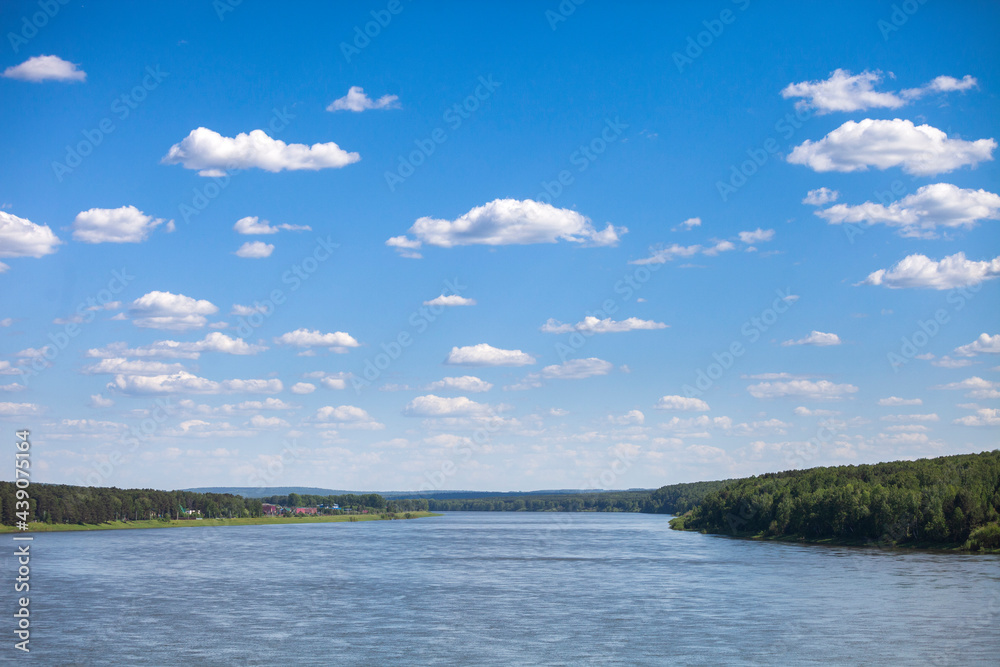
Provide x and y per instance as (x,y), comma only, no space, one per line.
(348,501)
(60,503)
(951,501)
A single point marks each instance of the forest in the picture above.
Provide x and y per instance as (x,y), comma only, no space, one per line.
(947,501)
(348,501)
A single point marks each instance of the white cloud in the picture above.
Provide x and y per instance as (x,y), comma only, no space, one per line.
(254,225)
(819,390)
(682,403)
(338,341)
(255,250)
(942,84)
(506,222)
(20,237)
(6,322)
(210,153)
(468,383)
(19,409)
(806,412)
(948,362)
(985,344)
(910,418)
(577,369)
(450,300)
(487,355)
(171,349)
(920,214)
(842,92)
(330,380)
(45,68)
(591,324)
(920,150)
(663,254)
(630,418)
(187,383)
(919,271)
(757,236)
(348,417)
(260,421)
(356,100)
(982,417)
(116,365)
(690,223)
(815,338)
(114,225)
(165,310)
(98,401)
(303,388)
(895,400)
(820,197)
(976,386)
(436,406)
(14,386)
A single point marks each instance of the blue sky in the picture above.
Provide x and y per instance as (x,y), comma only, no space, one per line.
(169,170)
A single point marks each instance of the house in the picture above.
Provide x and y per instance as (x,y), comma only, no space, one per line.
(269,510)
(305,510)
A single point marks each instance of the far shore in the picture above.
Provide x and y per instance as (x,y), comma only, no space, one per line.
(36,527)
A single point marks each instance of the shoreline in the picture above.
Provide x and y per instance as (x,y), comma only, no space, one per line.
(36,527)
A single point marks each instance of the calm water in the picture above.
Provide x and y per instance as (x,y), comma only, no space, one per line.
(490,588)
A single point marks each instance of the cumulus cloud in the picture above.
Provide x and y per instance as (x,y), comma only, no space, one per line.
(982,417)
(467,383)
(436,406)
(255,250)
(175,312)
(921,272)
(815,338)
(254,225)
(172,349)
(920,214)
(330,380)
(630,418)
(450,300)
(303,388)
(818,390)
(347,417)
(756,236)
(932,417)
(356,100)
(591,324)
(920,150)
(116,365)
(985,344)
(484,354)
(690,223)
(803,411)
(976,386)
(682,404)
(114,225)
(260,421)
(211,153)
(820,197)
(187,383)
(19,409)
(46,68)
(20,237)
(577,369)
(506,222)
(338,341)
(843,91)
(895,400)
(847,92)
(663,254)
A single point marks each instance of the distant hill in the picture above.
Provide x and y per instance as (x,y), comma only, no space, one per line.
(268,491)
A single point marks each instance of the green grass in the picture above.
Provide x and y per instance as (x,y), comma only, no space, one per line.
(35,527)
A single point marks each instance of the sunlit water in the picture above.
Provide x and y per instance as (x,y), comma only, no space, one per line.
(492,588)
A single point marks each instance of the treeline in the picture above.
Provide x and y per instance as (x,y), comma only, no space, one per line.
(672,499)
(61,503)
(348,501)
(951,500)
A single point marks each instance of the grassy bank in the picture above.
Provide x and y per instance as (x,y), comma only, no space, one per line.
(255,521)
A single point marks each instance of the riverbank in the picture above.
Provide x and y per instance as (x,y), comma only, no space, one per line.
(190,523)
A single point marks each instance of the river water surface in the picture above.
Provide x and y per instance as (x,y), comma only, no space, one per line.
(473,588)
